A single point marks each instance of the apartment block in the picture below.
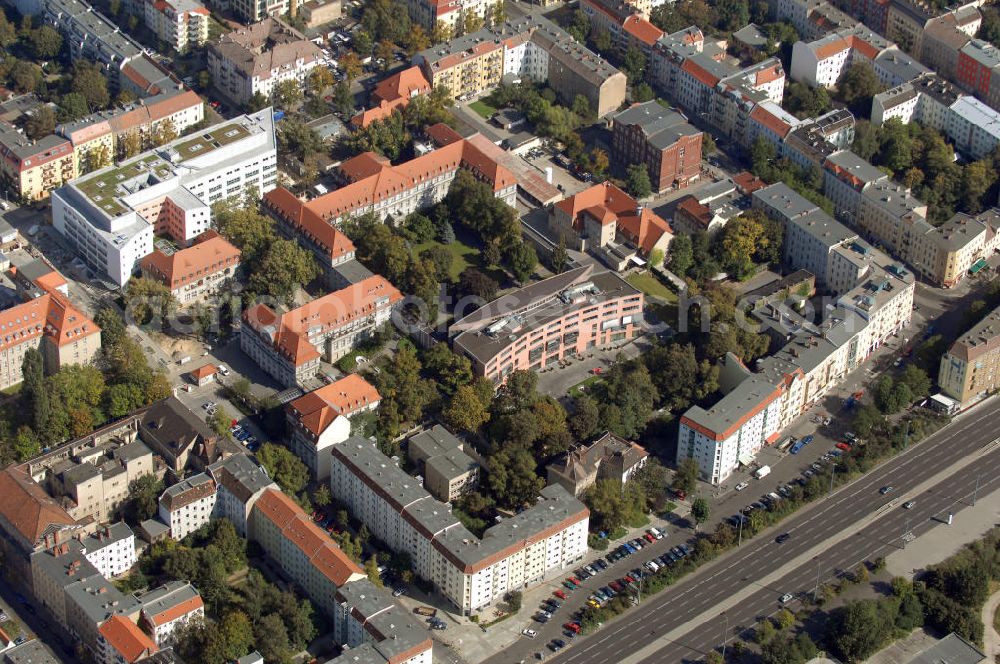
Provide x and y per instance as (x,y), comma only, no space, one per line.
(440,457)
(531,48)
(945,37)
(254,11)
(180,23)
(51,324)
(321,419)
(375,629)
(94,481)
(517,553)
(623,23)
(392,93)
(110,549)
(822,62)
(662,140)
(110,216)
(301,548)
(97,139)
(449,16)
(188,505)
(542,323)
(239,482)
(91,36)
(612,225)
(254,59)
(971,367)
(978,71)
(198,272)
(609,457)
(812,18)
(815,355)
(290,346)
(34,168)
(714,205)
(121,641)
(167,608)
(845,176)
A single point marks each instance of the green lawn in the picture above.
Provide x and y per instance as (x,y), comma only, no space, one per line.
(583,386)
(651,286)
(463,256)
(484,109)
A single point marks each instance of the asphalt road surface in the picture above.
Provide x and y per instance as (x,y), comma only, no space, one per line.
(701,592)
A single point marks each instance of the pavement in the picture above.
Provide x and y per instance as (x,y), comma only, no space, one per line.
(991,640)
(726,597)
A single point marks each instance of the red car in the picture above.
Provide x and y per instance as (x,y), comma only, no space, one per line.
(560,594)
(616,586)
(843,446)
(629,579)
(573,627)
(649,538)
(575,582)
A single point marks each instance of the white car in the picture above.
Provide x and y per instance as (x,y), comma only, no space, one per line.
(530,633)
(742,485)
(786,598)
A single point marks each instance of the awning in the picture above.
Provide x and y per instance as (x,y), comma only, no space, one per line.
(977,266)
(746,459)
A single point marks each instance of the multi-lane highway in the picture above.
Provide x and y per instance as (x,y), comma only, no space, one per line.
(638,636)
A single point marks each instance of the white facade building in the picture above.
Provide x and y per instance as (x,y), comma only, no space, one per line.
(239,483)
(188,505)
(111,549)
(167,608)
(110,215)
(471,572)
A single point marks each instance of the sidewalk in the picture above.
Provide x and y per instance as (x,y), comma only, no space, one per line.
(991,640)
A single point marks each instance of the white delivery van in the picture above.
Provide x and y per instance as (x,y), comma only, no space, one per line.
(762,472)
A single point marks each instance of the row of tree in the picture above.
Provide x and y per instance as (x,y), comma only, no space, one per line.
(745,242)
(921,159)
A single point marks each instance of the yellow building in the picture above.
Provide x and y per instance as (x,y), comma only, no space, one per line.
(31,169)
(971,367)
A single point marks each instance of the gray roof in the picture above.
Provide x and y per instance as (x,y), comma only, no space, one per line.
(99,599)
(58,567)
(173,428)
(363,654)
(936,87)
(384,476)
(107,535)
(164,597)
(894,198)
(23,148)
(154,528)
(751,35)
(81,473)
(662,127)
(982,52)
(783,200)
(33,270)
(352,271)
(823,228)
(431,516)
(434,441)
(240,476)
(855,166)
(952,649)
(399,632)
(452,464)
(364,596)
(901,66)
(31,652)
(132,451)
(532,307)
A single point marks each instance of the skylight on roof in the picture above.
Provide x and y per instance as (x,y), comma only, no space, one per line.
(195,147)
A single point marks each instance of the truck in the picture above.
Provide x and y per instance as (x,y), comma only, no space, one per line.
(425,611)
(762,472)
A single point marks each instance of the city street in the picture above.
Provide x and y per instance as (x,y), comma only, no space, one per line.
(682,622)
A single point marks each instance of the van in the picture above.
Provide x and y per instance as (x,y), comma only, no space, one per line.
(762,472)
(184,360)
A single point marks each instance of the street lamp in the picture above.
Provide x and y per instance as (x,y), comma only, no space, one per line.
(739,540)
(725,635)
(816,587)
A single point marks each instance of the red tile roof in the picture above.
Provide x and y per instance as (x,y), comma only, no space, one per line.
(296,526)
(290,331)
(317,409)
(608,204)
(767,119)
(699,73)
(179,610)
(27,507)
(374,179)
(405,85)
(642,30)
(205,371)
(308,224)
(210,254)
(748,183)
(125,637)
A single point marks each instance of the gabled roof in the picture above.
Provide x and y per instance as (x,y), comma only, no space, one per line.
(27,507)
(125,637)
(290,332)
(299,530)
(767,119)
(642,30)
(403,85)
(608,204)
(209,254)
(307,223)
(344,397)
(373,179)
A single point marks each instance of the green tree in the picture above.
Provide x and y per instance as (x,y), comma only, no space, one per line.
(45,42)
(512,476)
(350,64)
(283,467)
(637,181)
(681,255)
(8,33)
(236,632)
(917,380)
(26,445)
(634,65)
(321,496)
(143,499)
(857,86)
(858,629)
(219,422)
(35,394)
(41,122)
(147,299)
(687,475)
(287,93)
(271,639)
(605,499)
(25,76)
(700,510)
(371,571)
(284,267)
(465,410)
(522,260)
(90,82)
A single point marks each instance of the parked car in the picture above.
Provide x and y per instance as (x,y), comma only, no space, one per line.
(530,633)
(742,485)
(560,594)
(843,446)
